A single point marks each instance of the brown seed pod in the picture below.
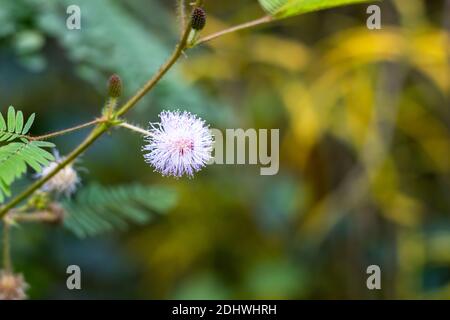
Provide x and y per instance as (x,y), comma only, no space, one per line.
(198,18)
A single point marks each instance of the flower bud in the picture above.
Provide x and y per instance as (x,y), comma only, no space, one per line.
(114,86)
(198,19)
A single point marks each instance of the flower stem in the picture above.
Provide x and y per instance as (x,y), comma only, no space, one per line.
(7,265)
(102,127)
(135,129)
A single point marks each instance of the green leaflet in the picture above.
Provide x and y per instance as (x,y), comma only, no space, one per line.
(287,8)
(14,127)
(99,209)
(16,152)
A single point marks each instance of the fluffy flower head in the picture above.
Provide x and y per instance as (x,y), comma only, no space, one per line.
(64,182)
(181,144)
(12,286)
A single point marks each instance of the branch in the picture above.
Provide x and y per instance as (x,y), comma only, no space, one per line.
(102,127)
(250,24)
(52,217)
(93,136)
(65,131)
(182,15)
(162,71)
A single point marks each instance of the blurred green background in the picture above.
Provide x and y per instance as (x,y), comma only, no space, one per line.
(364,119)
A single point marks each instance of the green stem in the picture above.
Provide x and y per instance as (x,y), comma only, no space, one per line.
(101,128)
(104,125)
(93,136)
(182,15)
(162,71)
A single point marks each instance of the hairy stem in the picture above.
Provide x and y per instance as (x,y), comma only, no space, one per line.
(182,14)
(101,128)
(135,129)
(250,24)
(104,125)
(162,71)
(65,131)
(7,265)
(41,216)
(93,136)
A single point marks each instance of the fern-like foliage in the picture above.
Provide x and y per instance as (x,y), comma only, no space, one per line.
(17,152)
(98,209)
(14,127)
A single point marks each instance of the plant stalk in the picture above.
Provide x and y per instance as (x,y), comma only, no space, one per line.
(162,71)
(65,131)
(250,24)
(7,265)
(101,128)
(104,125)
(93,136)
(135,129)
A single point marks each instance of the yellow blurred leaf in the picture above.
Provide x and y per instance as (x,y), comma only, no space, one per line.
(290,55)
(305,121)
(395,205)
